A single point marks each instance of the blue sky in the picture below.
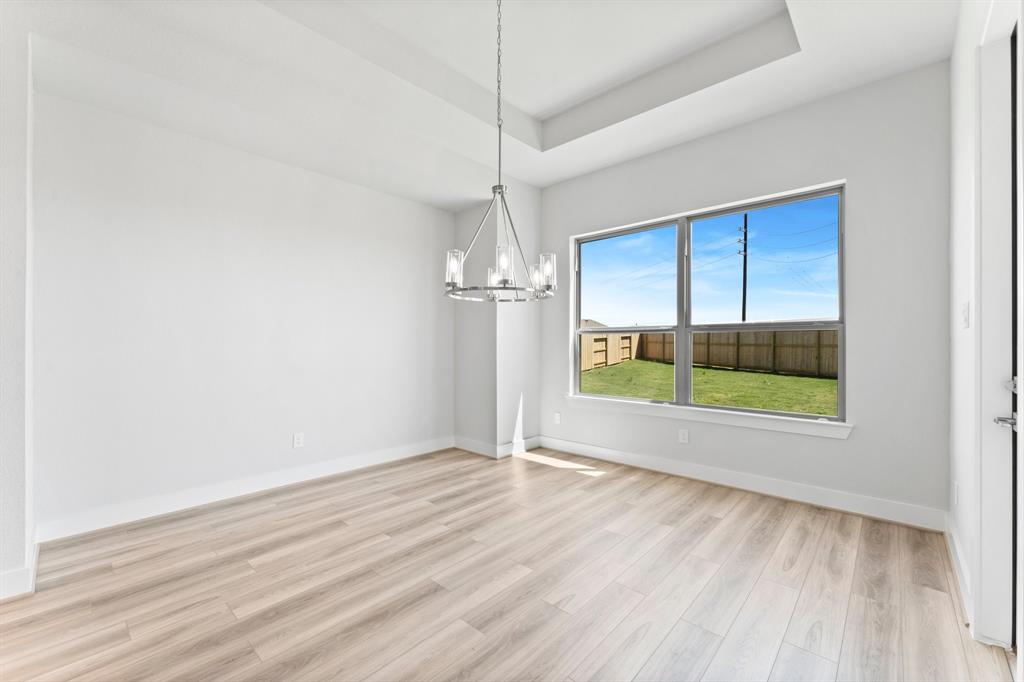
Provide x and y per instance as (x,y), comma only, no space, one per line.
(792,269)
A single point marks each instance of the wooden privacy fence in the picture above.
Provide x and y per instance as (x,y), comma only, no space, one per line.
(807,353)
(660,347)
(601,350)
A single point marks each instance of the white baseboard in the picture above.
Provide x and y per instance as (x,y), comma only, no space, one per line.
(135,510)
(963,576)
(518,446)
(959,561)
(496,451)
(889,510)
(963,579)
(20,581)
(477,446)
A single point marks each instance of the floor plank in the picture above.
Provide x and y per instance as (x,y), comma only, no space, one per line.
(820,614)
(426,660)
(748,652)
(797,665)
(683,655)
(720,601)
(626,649)
(872,642)
(922,561)
(455,566)
(931,642)
(792,558)
(878,562)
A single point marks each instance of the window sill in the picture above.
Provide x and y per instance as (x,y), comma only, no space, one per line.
(768,422)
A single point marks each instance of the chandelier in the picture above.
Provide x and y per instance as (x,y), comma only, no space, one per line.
(506,281)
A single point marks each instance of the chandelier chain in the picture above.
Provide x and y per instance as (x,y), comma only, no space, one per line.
(499,65)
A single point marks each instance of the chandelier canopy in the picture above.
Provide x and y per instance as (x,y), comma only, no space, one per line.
(506,282)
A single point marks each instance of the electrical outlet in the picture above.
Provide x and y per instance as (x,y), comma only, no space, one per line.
(684,435)
(558,417)
(298,440)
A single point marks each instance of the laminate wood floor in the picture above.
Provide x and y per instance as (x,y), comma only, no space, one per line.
(451,566)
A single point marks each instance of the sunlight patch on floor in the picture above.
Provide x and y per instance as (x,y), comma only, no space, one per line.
(560,463)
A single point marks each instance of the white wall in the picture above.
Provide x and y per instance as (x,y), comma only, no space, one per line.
(17,524)
(475,342)
(497,347)
(890,141)
(518,337)
(196,305)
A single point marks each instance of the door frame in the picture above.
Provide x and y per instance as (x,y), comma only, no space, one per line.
(1017,200)
(999,298)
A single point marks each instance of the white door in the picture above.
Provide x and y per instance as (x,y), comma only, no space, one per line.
(993,620)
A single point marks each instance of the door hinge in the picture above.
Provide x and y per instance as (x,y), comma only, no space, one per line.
(1011,385)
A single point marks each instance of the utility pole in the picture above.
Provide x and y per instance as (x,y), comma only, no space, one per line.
(743,317)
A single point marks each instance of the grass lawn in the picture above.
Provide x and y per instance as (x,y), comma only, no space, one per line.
(726,387)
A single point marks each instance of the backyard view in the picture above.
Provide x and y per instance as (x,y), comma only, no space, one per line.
(713,386)
(776,370)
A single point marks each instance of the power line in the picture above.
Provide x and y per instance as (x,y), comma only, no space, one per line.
(650,284)
(658,270)
(717,260)
(662,262)
(804,231)
(787,262)
(809,279)
(711,241)
(801,246)
(718,249)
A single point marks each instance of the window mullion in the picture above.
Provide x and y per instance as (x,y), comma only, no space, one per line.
(682,346)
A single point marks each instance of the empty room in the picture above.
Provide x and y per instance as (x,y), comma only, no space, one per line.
(508,340)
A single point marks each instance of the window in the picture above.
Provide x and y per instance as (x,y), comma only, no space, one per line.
(738,309)
(628,307)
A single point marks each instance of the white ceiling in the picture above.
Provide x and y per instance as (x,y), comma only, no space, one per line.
(397,95)
(558,54)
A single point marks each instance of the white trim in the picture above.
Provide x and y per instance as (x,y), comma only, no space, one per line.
(992,568)
(751,420)
(20,581)
(889,510)
(124,512)
(695,212)
(518,446)
(497,451)
(963,580)
(478,447)
(959,561)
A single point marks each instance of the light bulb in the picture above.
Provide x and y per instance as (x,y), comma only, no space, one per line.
(503,263)
(547,269)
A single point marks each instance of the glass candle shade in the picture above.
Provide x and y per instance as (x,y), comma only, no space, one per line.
(535,278)
(503,265)
(548,272)
(492,281)
(453,269)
